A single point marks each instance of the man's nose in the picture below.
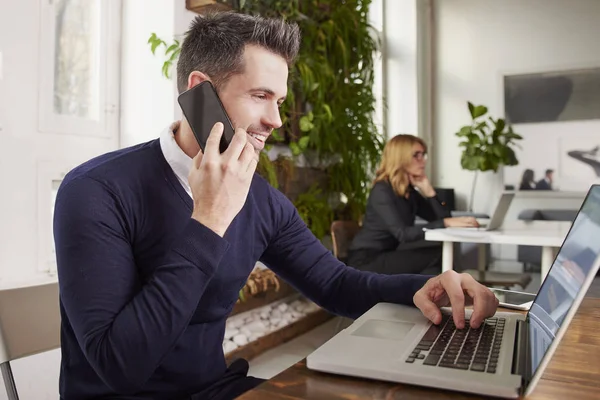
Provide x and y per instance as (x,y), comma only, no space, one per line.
(273,118)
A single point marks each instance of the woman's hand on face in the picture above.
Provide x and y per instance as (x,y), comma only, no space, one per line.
(422,184)
(461,222)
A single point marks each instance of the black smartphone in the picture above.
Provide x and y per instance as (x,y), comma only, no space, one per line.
(202,108)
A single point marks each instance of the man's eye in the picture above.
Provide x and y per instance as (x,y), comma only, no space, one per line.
(260,96)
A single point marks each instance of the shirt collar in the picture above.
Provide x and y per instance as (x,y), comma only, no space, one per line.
(180,163)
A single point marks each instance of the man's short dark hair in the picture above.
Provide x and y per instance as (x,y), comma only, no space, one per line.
(549,171)
(215,44)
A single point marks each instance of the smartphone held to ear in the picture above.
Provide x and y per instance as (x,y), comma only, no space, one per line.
(202,109)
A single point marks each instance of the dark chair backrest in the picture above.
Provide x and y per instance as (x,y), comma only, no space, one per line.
(342,234)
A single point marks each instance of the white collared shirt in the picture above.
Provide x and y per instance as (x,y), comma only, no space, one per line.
(180,163)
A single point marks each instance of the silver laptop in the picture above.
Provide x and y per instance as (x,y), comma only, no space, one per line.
(505,357)
(498,215)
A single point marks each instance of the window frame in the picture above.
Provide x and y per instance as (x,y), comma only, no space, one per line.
(109,75)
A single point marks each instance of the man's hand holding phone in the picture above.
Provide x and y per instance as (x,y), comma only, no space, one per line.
(220,181)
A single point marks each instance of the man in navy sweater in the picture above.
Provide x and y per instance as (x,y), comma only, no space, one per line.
(154,242)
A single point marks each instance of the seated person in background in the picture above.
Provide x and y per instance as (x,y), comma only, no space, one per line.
(546,183)
(527,180)
(387,241)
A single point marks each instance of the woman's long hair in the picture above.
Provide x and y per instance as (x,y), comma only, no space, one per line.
(397,154)
(527,179)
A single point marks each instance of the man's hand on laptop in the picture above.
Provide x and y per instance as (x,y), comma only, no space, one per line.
(456,290)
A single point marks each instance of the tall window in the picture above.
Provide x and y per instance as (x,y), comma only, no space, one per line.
(79,95)
(79,63)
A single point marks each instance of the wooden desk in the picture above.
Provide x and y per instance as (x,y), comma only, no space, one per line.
(573,373)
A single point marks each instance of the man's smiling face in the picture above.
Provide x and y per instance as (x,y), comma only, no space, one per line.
(252,98)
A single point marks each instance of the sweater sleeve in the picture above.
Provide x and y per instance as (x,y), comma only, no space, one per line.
(433,210)
(298,257)
(123,324)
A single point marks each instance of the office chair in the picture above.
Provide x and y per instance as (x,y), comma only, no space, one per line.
(29,324)
(342,234)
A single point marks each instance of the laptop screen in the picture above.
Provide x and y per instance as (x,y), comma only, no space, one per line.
(576,260)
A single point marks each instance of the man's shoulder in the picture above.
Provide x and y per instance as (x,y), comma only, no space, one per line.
(120,165)
(265,196)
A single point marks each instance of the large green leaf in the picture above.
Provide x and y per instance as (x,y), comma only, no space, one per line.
(471,109)
(479,111)
(487,148)
(305,124)
(465,131)
(303,142)
(500,124)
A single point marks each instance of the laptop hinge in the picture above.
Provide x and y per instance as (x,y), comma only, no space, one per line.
(519,365)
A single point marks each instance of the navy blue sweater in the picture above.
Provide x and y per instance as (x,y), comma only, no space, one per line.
(145,290)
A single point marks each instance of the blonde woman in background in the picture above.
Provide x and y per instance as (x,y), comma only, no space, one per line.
(389,242)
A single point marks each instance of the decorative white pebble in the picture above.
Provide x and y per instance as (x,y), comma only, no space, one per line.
(276,313)
(240,339)
(245,331)
(301,308)
(253,337)
(256,326)
(228,346)
(282,323)
(231,332)
(295,304)
(264,315)
(236,322)
(282,307)
(275,321)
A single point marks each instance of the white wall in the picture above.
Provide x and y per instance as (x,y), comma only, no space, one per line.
(400,52)
(147,97)
(478,40)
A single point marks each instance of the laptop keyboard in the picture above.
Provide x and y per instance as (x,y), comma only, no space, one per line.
(470,349)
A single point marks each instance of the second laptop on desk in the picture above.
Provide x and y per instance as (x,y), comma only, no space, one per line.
(497,216)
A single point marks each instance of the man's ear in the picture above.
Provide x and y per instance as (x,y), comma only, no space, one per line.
(195,78)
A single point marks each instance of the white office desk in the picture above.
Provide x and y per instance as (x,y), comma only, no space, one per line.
(547,234)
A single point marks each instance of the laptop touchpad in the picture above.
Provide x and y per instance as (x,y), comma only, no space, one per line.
(380,329)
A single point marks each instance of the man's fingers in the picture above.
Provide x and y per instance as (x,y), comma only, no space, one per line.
(248,154)
(251,168)
(430,310)
(484,301)
(197,160)
(240,138)
(452,286)
(424,303)
(214,140)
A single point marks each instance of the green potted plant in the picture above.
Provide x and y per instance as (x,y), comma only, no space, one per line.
(487,144)
(328,115)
